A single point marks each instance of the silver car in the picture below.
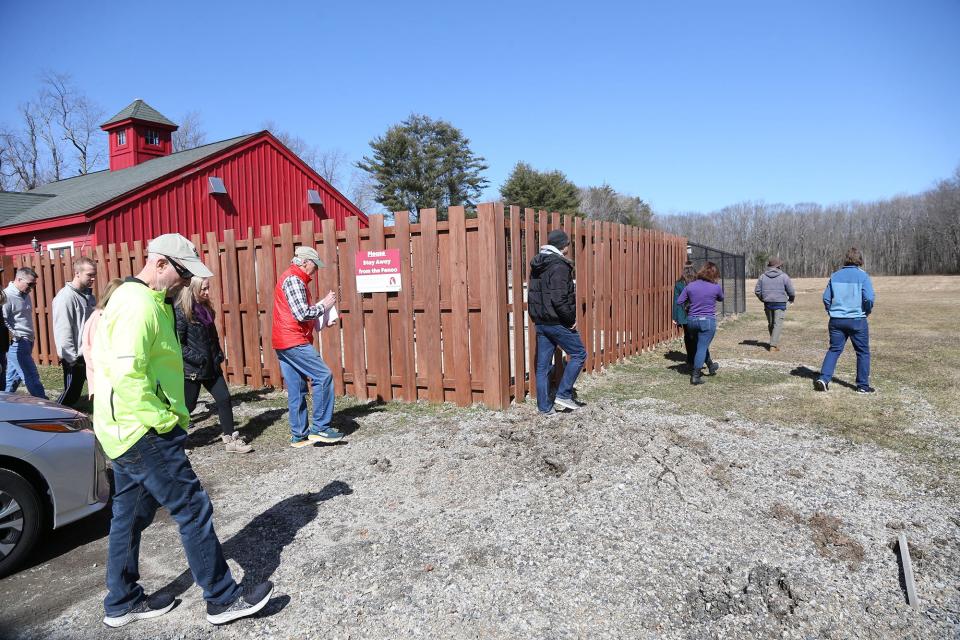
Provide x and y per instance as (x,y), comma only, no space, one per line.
(52,472)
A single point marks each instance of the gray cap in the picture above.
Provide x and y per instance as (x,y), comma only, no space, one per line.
(174,245)
(309,253)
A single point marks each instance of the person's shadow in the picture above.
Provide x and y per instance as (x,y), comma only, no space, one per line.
(258,545)
(810,374)
(678,356)
(755,343)
(250,431)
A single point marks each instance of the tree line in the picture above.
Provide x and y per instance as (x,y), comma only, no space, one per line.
(903,235)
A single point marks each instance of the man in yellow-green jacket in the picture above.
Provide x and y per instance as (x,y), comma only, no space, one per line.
(140,417)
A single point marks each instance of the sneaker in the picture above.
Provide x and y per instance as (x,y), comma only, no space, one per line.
(328,435)
(696,379)
(553,413)
(236,443)
(712,368)
(821,385)
(251,600)
(298,443)
(150,607)
(774,349)
(568,403)
(866,389)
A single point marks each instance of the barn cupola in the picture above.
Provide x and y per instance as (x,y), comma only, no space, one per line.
(137,134)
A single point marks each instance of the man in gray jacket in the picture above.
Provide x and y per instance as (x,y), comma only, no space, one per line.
(775,290)
(18,314)
(71,307)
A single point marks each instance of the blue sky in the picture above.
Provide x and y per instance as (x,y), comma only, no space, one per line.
(689,105)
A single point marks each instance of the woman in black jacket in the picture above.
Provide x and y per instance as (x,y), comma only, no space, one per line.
(203,357)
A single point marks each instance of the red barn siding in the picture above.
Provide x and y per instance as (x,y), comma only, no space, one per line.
(263,187)
(16,244)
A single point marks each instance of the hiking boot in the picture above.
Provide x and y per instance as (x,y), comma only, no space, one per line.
(712,368)
(251,600)
(235,443)
(821,385)
(696,378)
(866,389)
(568,403)
(774,348)
(299,443)
(150,607)
(328,435)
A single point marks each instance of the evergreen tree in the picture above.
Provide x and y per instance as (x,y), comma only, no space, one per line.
(424,163)
(547,190)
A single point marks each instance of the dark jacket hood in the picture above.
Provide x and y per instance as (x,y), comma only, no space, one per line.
(543,260)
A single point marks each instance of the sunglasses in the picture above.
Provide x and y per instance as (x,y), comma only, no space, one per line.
(181,270)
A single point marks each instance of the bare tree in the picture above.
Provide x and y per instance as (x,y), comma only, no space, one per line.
(330,164)
(605,203)
(901,235)
(20,153)
(77,118)
(189,133)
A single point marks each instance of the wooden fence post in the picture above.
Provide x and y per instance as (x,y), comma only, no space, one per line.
(493,308)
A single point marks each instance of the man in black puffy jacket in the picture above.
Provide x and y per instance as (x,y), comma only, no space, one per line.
(551,302)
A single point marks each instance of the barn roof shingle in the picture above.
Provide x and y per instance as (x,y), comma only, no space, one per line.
(83,193)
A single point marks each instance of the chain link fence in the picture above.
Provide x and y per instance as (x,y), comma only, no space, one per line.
(733,274)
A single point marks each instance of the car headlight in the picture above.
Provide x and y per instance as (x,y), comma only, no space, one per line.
(55,426)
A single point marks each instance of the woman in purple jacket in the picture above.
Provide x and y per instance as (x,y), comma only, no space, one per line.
(702,296)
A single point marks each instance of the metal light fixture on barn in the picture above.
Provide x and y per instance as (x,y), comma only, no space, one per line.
(217,188)
(35,244)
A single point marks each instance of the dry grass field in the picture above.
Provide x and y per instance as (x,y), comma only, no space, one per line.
(915,348)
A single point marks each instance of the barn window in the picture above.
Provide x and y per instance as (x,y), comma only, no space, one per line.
(152,137)
(121,138)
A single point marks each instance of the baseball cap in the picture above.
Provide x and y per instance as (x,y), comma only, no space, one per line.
(174,245)
(309,253)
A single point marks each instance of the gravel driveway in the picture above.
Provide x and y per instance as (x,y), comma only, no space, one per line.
(623,520)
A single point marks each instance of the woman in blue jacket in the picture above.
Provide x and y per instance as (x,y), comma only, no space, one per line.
(688,275)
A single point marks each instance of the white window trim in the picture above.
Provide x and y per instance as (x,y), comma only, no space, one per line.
(57,246)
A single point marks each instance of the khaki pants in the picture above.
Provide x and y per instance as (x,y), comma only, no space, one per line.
(774,325)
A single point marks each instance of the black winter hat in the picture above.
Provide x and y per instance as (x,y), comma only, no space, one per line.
(558,238)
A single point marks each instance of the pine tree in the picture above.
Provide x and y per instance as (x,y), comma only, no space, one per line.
(424,163)
(546,190)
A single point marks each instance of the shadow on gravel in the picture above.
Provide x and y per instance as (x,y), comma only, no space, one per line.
(678,356)
(258,546)
(250,431)
(236,399)
(810,374)
(675,356)
(755,343)
(345,420)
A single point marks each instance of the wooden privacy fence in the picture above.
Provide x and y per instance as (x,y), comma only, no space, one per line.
(458,329)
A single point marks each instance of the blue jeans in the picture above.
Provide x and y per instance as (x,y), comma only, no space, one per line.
(702,328)
(549,337)
(21,367)
(155,472)
(857,330)
(297,364)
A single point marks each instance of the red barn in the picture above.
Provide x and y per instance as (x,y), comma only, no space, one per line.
(245,182)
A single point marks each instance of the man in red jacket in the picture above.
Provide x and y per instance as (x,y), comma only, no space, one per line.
(294,317)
